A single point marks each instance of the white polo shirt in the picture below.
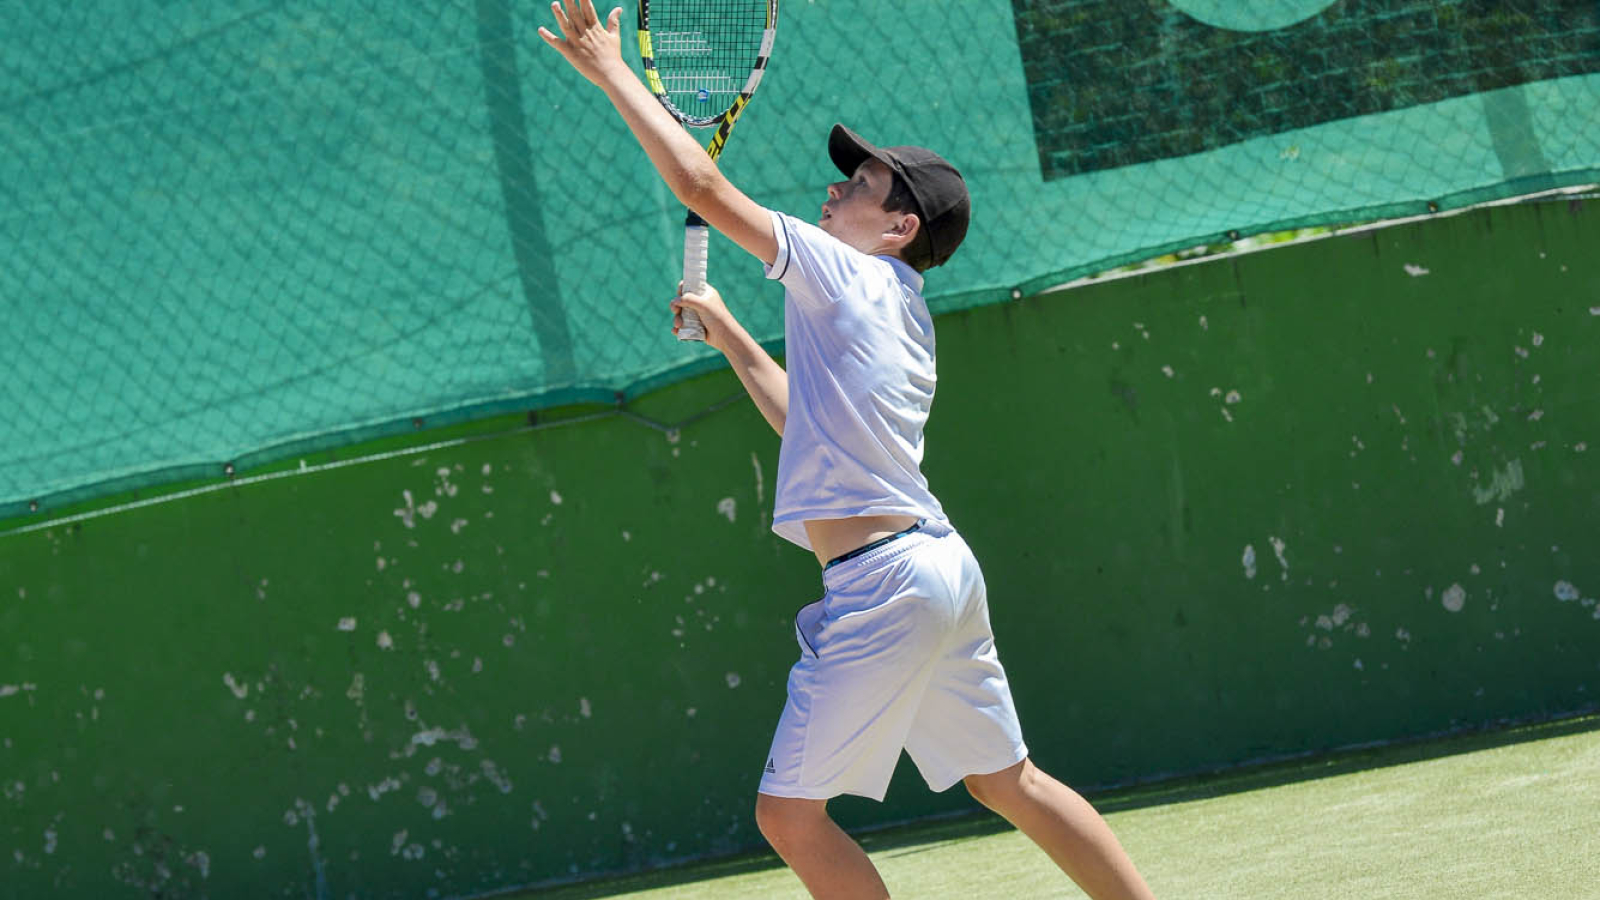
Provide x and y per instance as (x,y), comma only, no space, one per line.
(860,359)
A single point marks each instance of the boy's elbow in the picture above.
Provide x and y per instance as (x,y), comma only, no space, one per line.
(699,185)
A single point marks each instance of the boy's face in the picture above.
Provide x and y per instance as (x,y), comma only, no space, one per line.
(854,212)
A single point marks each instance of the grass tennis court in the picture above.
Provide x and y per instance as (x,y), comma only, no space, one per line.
(1510,814)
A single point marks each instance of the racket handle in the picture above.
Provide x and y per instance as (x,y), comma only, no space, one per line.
(696,241)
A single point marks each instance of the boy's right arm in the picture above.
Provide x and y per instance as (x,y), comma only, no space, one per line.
(762,377)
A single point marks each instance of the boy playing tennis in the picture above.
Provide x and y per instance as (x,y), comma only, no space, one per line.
(898,653)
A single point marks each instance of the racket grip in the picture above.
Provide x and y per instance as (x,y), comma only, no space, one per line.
(696,240)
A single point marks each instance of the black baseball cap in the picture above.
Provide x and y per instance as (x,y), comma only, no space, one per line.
(936,187)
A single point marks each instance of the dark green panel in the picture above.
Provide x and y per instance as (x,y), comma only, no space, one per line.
(549,653)
(1115,83)
(1112,503)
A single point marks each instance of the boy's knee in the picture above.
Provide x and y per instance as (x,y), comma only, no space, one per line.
(1000,790)
(785,821)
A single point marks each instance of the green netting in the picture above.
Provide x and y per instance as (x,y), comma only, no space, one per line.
(234,233)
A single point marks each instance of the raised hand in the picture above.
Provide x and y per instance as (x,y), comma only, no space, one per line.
(595,50)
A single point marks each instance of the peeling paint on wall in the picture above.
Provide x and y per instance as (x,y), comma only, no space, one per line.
(1502,485)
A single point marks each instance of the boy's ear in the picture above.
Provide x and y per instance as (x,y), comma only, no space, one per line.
(905,228)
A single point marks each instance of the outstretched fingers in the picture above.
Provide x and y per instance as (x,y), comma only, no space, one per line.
(586,14)
(562,20)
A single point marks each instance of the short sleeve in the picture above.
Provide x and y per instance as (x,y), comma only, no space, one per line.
(815,266)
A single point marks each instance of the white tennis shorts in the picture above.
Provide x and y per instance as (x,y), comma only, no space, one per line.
(898,653)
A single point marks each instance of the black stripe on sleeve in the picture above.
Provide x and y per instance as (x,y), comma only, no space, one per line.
(788,246)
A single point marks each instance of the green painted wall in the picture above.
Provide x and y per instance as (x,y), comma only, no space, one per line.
(1340,492)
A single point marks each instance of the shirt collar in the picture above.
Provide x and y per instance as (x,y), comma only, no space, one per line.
(902,270)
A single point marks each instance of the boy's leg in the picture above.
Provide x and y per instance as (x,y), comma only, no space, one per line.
(830,864)
(1065,826)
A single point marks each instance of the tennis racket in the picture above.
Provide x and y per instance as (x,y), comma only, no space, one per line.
(703,59)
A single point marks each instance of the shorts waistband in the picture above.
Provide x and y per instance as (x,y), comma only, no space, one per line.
(868,548)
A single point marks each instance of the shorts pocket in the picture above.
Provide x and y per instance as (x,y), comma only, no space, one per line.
(808,628)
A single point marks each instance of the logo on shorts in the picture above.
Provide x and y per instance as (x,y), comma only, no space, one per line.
(771,768)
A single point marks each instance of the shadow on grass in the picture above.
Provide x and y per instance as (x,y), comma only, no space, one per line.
(926,835)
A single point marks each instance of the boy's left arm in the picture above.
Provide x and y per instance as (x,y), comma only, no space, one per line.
(595,50)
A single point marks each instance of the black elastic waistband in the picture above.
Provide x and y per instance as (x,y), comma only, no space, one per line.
(868,548)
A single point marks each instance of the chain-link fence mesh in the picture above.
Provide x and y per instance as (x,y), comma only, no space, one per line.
(233,234)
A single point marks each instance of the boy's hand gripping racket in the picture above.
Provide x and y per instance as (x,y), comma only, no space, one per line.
(703,59)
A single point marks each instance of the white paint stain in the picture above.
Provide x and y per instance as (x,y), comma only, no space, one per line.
(1594,310)
(348,623)
(727,506)
(555,754)
(462,737)
(1277,550)
(457,525)
(1455,458)
(1454,598)
(50,840)
(414,599)
(1204,325)
(407,513)
(358,688)
(239,690)
(260,852)
(733,679)
(384,641)
(755,463)
(1502,485)
(428,509)
(1167,371)
(584,709)
(1232,397)
(1500,517)
(1566,592)
(555,498)
(1415,271)
(1249,561)
(495,776)
(385,786)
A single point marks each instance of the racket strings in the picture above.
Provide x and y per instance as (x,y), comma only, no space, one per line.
(705,50)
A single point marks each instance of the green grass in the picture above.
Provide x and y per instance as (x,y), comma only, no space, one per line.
(1511,814)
